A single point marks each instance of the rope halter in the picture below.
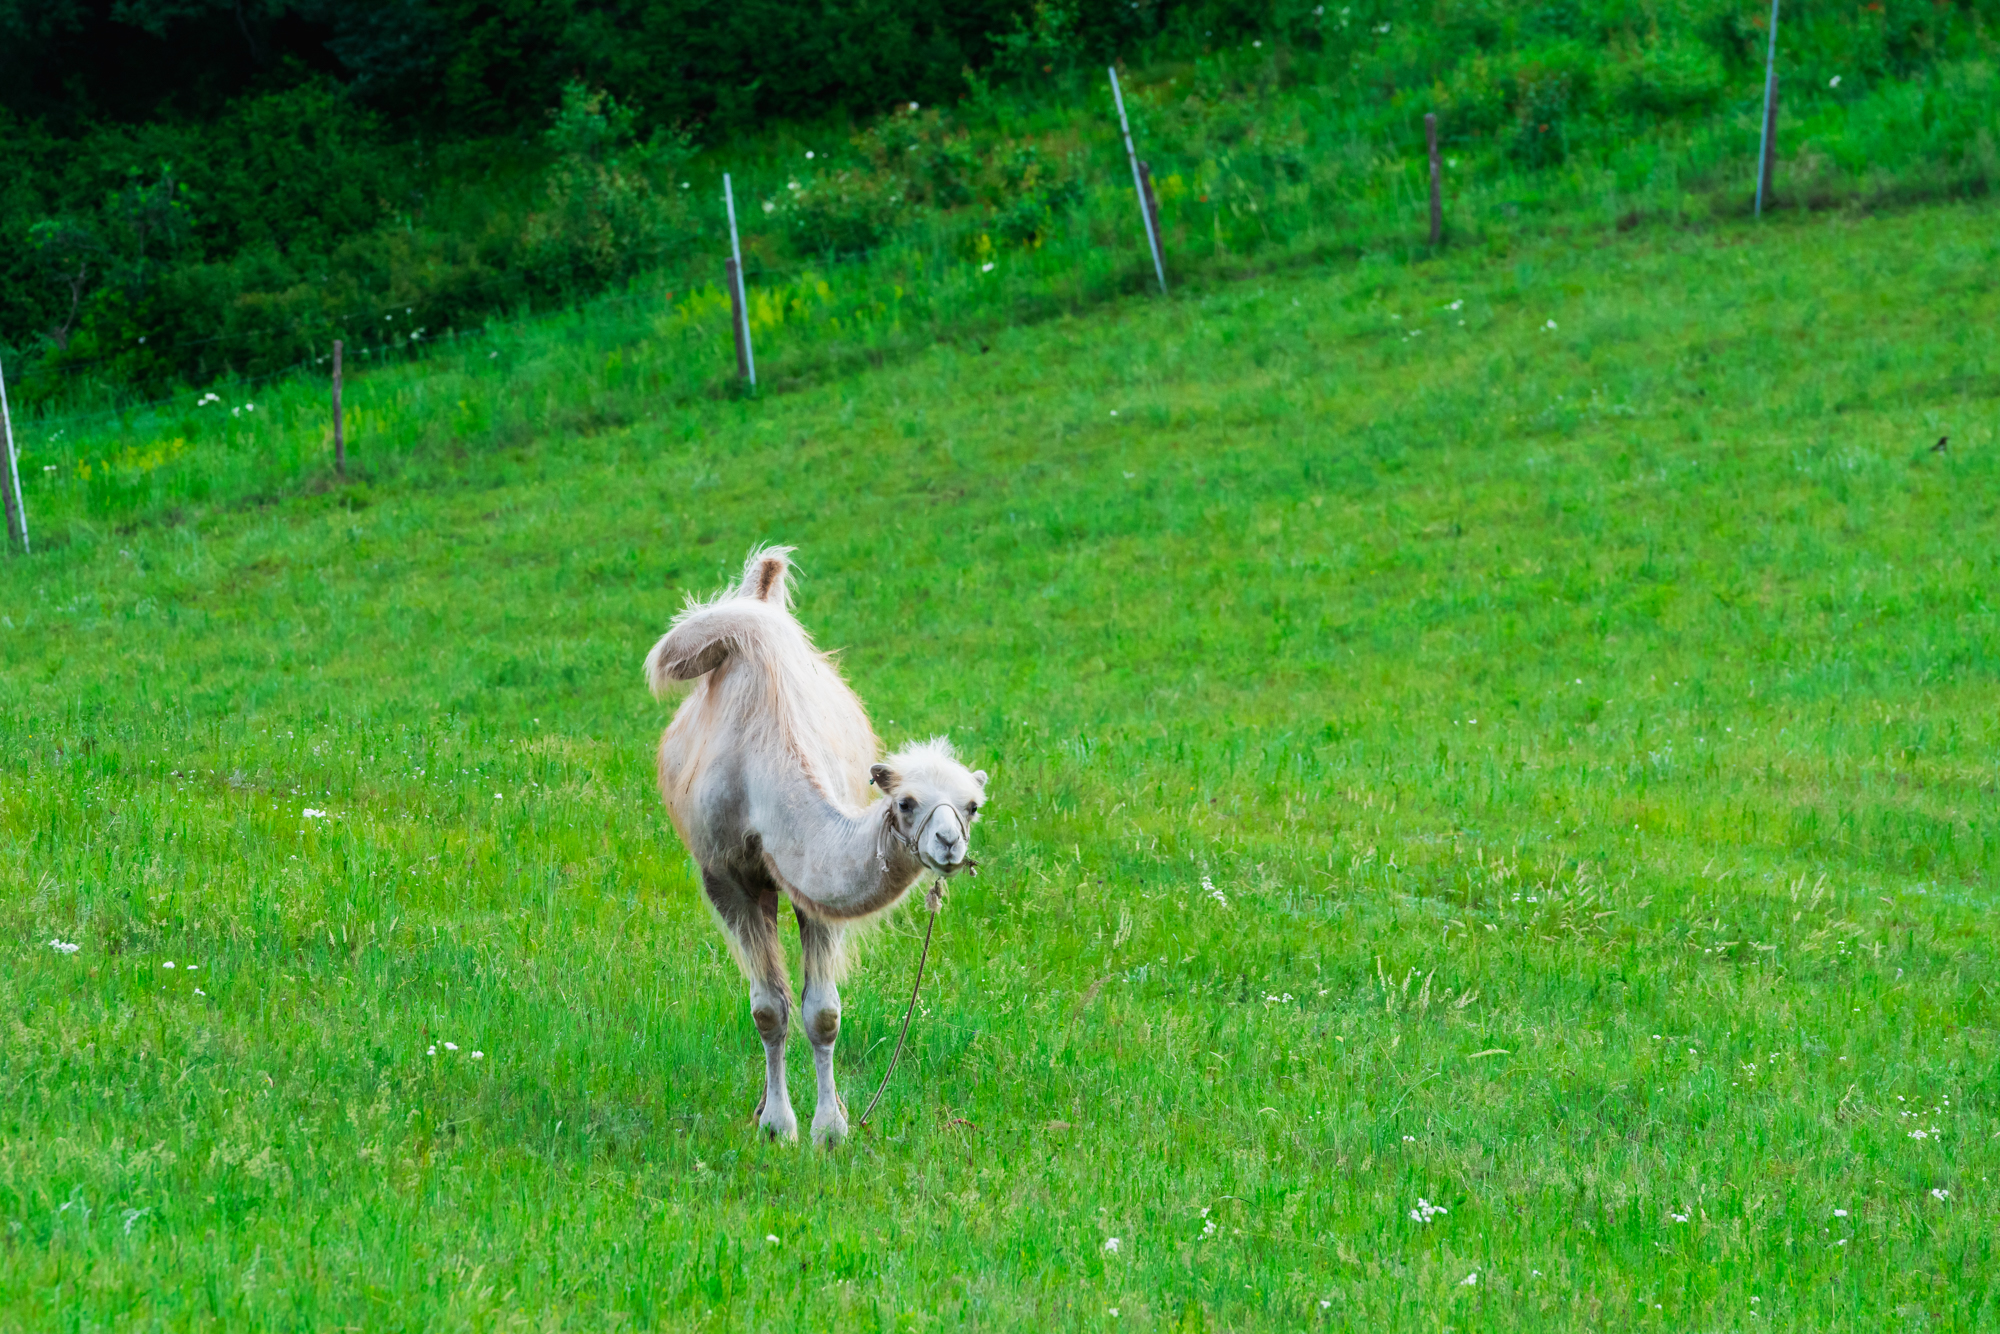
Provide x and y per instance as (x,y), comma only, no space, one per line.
(914,841)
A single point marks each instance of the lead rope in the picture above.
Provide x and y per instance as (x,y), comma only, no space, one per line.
(932,900)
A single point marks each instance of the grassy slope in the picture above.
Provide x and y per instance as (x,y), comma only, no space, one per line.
(1264,156)
(1688,919)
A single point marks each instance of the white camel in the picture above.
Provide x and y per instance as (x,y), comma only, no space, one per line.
(765,770)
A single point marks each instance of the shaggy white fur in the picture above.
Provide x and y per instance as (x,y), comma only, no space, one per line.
(765,770)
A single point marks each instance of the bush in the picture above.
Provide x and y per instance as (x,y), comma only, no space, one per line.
(1032,193)
(1670,78)
(843,211)
(931,160)
(606,218)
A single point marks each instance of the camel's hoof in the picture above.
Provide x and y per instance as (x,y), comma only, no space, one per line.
(779,1125)
(830,1127)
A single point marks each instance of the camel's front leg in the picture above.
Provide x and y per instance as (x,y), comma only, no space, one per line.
(770,1007)
(750,916)
(820,946)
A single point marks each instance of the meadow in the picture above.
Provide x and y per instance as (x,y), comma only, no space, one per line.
(1492,820)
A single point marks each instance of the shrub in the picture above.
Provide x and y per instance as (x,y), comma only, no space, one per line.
(1031,193)
(1668,78)
(840,212)
(606,219)
(931,160)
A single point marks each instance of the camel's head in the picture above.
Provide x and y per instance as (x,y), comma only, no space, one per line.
(933,801)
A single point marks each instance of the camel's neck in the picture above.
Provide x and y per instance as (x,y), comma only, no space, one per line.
(845,864)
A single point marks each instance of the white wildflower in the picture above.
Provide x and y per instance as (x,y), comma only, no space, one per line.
(168,964)
(1550,325)
(1111,1245)
(61,946)
(771,1238)
(1937,1193)
(451,1046)
(1840,1213)
(1834,82)
(1470,1280)
(1425,1210)
(310,814)
(479,1056)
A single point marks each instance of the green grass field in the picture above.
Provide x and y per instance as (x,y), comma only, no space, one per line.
(1512,733)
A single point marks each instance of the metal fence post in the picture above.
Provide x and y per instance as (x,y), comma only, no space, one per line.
(10,480)
(1146,212)
(739,299)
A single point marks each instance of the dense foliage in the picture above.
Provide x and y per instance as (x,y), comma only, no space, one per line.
(190,188)
(473,67)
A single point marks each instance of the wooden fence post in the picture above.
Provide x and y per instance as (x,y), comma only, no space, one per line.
(339,427)
(739,299)
(734,278)
(1437,179)
(1148,212)
(1767,148)
(10,480)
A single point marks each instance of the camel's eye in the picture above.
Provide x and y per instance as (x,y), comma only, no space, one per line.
(908,805)
(972,808)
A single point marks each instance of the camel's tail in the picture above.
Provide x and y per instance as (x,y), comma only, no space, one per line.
(706,633)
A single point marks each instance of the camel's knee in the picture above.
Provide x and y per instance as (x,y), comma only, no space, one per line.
(823,1025)
(771,1015)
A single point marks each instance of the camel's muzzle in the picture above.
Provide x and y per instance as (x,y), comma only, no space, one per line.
(942,840)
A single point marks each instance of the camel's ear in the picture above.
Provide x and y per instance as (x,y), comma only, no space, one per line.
(767,576)
(979,777)
(882,776)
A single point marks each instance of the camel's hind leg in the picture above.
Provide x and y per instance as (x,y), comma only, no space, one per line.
(821,946)
(748,913)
